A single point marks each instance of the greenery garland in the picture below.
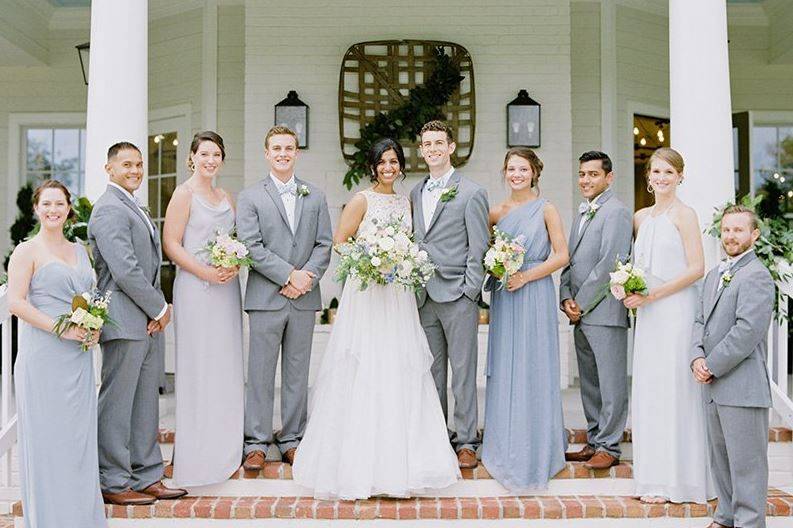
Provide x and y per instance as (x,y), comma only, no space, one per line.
(424,103)
(774,248)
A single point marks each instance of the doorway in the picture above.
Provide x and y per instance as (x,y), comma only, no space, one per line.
(649,134)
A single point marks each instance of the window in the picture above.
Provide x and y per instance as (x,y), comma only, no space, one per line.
(772,156)
(57,153)
(162,182)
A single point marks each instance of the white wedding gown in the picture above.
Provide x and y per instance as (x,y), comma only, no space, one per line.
(669,441)
(375,423)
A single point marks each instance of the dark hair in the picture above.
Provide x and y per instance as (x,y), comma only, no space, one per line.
(115,148)
(376,153)
(594,155)
(200,137)
(54,184)
(437,126)
(529,155)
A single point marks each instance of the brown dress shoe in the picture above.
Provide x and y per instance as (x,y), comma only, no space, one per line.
(289,456)
(714,524)
(602,460)
(466,458)
(584,455)
(159,491)
(254,461)
(127,498)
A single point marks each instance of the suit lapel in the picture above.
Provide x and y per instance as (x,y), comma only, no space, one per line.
(298,204)
(746,259)
(271,190)
(418,203)
(453,180)
(602,199)
(150,226)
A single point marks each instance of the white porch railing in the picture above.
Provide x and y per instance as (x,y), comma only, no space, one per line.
(8,433)
(778,363)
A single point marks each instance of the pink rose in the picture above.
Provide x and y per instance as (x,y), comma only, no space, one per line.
(618,291)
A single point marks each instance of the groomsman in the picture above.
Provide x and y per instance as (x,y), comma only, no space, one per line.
(285,223)
(126,248)
(729,358)
(450,221)
(601,234)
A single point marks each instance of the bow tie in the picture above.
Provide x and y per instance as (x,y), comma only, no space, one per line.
(724,266)
(433,184)
(583,207)
(289,188)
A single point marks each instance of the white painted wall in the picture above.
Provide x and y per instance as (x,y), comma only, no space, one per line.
(231,94)
(514,46)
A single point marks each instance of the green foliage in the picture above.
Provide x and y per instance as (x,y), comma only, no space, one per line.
(775,243)
(424,103)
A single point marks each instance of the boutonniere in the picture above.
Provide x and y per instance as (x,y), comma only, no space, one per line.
(725,279)
(449,193)
(593,208)
(303,191)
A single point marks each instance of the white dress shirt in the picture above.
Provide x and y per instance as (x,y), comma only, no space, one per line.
(729,262)
(288,192)
(429,199)
(148,224)
(585,215)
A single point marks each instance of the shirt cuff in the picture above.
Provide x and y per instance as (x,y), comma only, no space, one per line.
(162,313)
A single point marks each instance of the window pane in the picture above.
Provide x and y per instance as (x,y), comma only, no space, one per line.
(67,149)
(167,186)
(168,144)
(39,149)
(764,154)
(786,147)
(153,195)
(154,155)
(37,177)
(70,179)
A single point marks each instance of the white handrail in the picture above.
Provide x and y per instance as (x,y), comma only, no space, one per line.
(8,433)
(778,365)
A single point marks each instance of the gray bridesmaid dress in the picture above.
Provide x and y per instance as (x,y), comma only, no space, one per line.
(56,406)
(524,439)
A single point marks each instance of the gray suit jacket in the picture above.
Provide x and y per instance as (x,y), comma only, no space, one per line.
(263,226)
(604,239)
(730,332)
(127,260)
(456,240)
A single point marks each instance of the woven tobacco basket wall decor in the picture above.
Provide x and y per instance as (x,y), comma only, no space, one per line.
(392,87)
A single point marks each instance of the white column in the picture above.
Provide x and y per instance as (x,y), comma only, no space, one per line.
(118,101)
(608,77)
(700,108)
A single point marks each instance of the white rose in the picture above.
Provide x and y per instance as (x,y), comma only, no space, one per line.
(376,261)
(619,277)
(386,243)
(638,272)
(422,255)
(490,260)
(414,250)
(78,315)
(390,231)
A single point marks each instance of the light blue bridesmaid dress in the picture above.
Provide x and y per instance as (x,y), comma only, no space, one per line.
(56,406)
(524,439)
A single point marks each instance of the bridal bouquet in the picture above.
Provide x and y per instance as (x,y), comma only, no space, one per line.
(384,253)
(226,251)
(89,311)
(627,279)
(505,256)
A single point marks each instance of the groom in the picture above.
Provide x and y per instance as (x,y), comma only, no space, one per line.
(600,235)
(729,358)
(285,223)
(125,245)
(450,222)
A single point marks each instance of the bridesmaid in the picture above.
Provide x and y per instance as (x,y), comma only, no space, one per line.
(207,324)
(669,443)
(524,439)
(55,391)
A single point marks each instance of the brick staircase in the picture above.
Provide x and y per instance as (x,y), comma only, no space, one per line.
(576,497)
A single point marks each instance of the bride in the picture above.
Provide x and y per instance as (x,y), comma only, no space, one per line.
(375,422)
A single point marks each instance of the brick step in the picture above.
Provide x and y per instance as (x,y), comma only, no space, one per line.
(780,504)
(572,470)
(574,436)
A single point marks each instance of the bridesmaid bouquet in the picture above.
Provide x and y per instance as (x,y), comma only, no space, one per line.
(226,251)
(627,279)
(89,311)
(384,253)
(505,256)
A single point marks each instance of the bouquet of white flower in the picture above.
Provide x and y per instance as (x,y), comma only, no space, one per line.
(505,256)
(384,253)
(90,311)
(226,251)
(626,279)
